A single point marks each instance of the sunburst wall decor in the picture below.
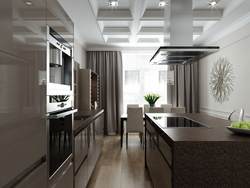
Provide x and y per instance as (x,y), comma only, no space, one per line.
(221,80)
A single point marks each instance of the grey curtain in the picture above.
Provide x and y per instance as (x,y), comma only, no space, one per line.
(185,91)
(108,64)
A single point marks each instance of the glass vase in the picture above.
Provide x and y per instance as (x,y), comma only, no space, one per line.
(152,105)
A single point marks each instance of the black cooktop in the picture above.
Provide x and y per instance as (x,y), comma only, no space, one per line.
(167,122)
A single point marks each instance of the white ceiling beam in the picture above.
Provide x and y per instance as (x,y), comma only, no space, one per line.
(195,2)
(148,40)
(151,31)
(159,31)
(197,30)
(198,15)
(230,7)
(208,15)
(152,15)
(117,40)
(116,31)
(121,15)
(94,6)
(138,7)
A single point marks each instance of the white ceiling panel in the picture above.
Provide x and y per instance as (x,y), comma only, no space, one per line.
(137,22)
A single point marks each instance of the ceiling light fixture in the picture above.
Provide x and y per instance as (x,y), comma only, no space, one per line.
(162,3)
(113,3)
(29,3)
(213,3)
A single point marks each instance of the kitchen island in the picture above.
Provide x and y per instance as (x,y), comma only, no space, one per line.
(193,156)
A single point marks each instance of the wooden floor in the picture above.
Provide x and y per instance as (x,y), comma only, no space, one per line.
(121,168)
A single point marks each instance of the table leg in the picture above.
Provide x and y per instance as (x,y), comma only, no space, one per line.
(121,131)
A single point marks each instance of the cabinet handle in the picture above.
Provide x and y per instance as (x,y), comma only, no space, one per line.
(63,114)
(62,105)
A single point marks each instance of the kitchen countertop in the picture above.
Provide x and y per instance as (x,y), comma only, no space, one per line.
(79,125)
(216,132)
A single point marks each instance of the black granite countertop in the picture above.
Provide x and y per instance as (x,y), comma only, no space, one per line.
(79,125)
(216,132)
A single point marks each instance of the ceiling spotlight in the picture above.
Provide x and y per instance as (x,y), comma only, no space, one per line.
(29,3)
(162,3)
(113,3)
(213,3)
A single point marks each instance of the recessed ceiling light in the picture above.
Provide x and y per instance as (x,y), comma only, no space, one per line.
(213,3)
(162,3)
(29,3)
(113,3)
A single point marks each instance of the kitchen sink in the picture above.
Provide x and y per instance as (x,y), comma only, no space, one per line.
(81,117)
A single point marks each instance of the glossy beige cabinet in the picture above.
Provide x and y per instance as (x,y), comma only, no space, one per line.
(81,178)
(85,166)
(23,140)
(67,179)
(22,92)
(37,178)
(80,148)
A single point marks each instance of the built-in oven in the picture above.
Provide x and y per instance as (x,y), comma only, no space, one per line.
(60,137)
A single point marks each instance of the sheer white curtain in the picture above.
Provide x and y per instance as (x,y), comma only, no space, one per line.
(108,64)
(148,79)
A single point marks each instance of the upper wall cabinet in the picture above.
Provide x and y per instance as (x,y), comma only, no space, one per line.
(59,20)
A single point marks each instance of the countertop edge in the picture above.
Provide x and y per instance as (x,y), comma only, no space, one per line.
(93,115)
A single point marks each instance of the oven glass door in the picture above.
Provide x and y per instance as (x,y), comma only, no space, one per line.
(60,139)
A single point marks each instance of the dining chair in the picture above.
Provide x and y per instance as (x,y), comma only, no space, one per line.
(166,107)
(146,108)
(237,115)
(132,106)
(156,110)
(177,110)
(134,123)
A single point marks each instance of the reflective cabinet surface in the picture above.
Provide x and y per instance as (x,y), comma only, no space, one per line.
(23,141)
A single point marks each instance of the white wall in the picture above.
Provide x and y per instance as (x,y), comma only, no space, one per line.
(80,55)
(236,48)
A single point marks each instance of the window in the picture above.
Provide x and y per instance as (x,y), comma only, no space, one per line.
(141,78)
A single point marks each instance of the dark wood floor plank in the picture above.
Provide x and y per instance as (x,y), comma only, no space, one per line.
(120,167)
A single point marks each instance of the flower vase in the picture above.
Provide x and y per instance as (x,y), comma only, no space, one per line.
(152,105)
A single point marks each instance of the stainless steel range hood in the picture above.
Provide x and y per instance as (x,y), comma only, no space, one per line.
(181,55)
(178,46)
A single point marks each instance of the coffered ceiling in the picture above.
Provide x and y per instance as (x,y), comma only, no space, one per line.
(139,23)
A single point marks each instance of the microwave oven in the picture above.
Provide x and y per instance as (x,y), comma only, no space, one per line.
(60,69)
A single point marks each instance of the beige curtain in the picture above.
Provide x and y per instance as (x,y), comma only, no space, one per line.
(108,64)
(185,91)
